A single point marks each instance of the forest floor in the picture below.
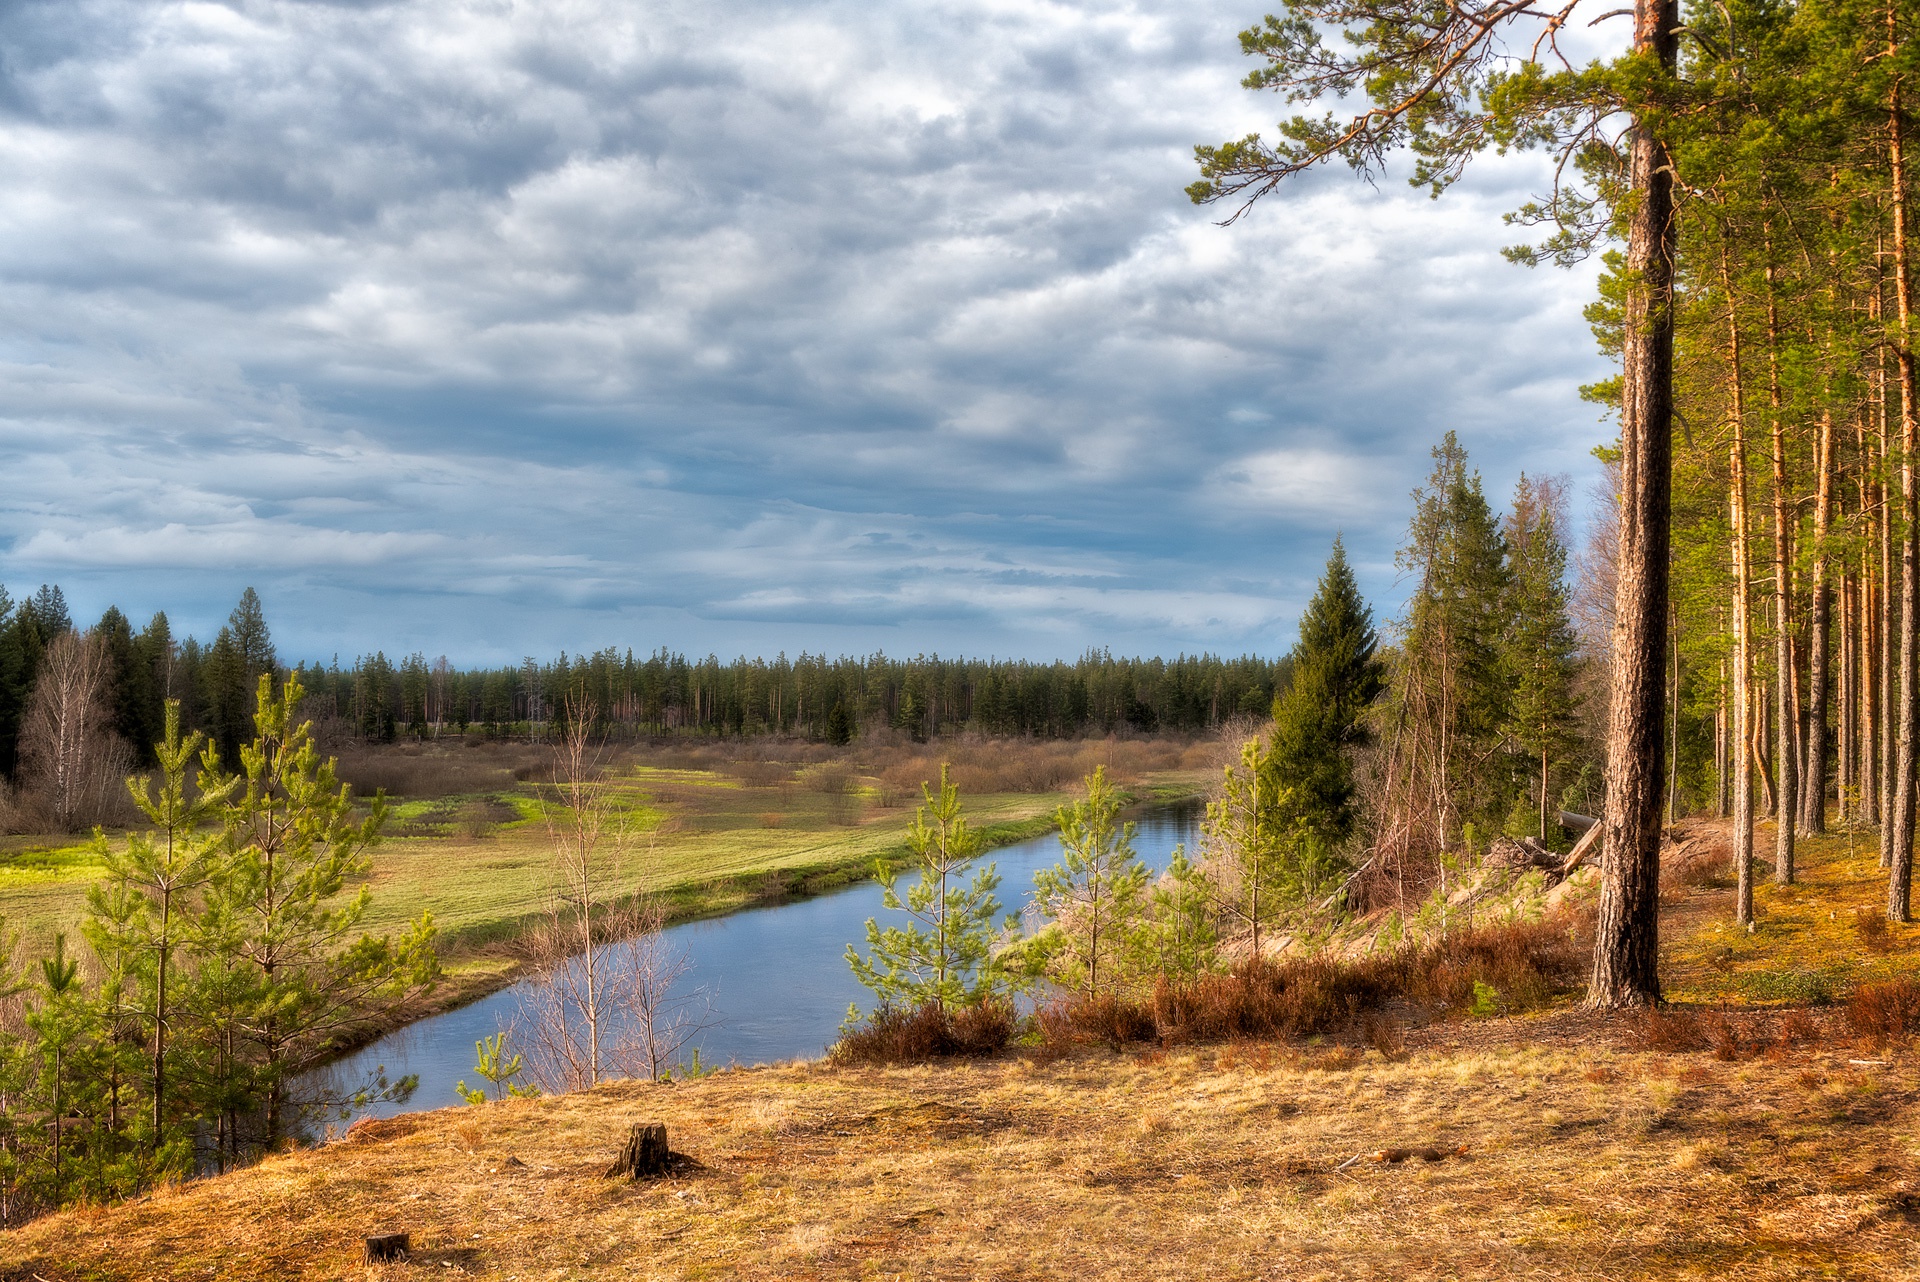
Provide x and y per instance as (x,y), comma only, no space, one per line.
(711,827)
(1747,1135)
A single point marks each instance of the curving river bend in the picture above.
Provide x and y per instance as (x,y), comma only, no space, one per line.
(776,977)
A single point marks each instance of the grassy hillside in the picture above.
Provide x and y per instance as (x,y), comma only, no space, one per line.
(1742,1136)
(1569,1155)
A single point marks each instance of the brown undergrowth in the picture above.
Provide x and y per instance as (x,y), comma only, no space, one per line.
(1492,970)
(892,1035)
(1565,1154)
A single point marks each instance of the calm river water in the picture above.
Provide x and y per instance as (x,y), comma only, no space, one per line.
(777,977)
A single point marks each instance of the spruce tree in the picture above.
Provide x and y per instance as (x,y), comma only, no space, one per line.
(1322,714)
(839,725)
(1541,656)
(1455,684)
(251,638)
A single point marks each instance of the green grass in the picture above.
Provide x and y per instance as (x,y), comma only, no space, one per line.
(706,841)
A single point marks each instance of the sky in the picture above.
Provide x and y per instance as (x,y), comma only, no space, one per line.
(491,328)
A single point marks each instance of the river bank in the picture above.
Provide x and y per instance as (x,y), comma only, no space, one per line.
(769,981)
(478,971)
(1560,1150)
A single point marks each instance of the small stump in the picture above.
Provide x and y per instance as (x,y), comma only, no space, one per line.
(645,1154)
(388,1246)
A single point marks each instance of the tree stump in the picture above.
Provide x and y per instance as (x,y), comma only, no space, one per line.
(388,1246)
(645,1154)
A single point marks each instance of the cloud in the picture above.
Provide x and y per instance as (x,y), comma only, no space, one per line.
(1312,483)
(492,328)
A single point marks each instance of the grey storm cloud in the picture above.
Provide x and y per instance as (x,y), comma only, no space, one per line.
(490,328)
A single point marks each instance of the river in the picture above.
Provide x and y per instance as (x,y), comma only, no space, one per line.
(776,977)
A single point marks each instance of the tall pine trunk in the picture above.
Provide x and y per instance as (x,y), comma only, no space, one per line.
(1786,715)
(1742,616)
(1900,842)
(1846,785)
(1813,781)
(1627,938)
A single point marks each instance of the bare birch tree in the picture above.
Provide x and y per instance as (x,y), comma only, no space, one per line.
(71,761)
(610,998)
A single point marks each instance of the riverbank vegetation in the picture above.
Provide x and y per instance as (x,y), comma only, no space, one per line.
(227,954)
(1555,1145)
(258,923)
(1756,1130)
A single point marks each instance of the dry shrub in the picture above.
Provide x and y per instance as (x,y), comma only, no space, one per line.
(435,772)
(895,1035)
(1525,964)
(1388,1036)
(1725,1037)
(479,820)
(1870,924)
(1730,1037)
(759,774)
(1885,1011)
(1103,1018)
(1668,1031)
(1796,1028)
(985,765)
(1704,873)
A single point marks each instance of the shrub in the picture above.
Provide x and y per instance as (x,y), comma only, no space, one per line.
(1667,1030)
(1525,964)
(1104,1018)
(898,1035)
(1870,924)
(1885,1011)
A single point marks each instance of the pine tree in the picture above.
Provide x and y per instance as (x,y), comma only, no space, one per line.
(143,908)
(1447,82)
(1094,897)
(278,909)
(1322,714)
(944,952)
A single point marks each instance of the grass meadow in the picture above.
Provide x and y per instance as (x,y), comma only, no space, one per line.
(711,826)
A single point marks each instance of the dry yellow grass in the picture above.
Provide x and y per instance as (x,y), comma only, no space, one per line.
(1582,1160)
(1808,944)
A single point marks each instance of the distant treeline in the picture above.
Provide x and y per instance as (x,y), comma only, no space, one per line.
(813,696)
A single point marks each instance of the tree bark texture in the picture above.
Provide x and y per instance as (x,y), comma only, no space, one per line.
(1786,718)
(645,1154)
(1627,939)
(1900,841)
(1813,780)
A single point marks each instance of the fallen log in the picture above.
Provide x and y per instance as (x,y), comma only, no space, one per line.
(1588,843)
(1424,1154)
(1573,822)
